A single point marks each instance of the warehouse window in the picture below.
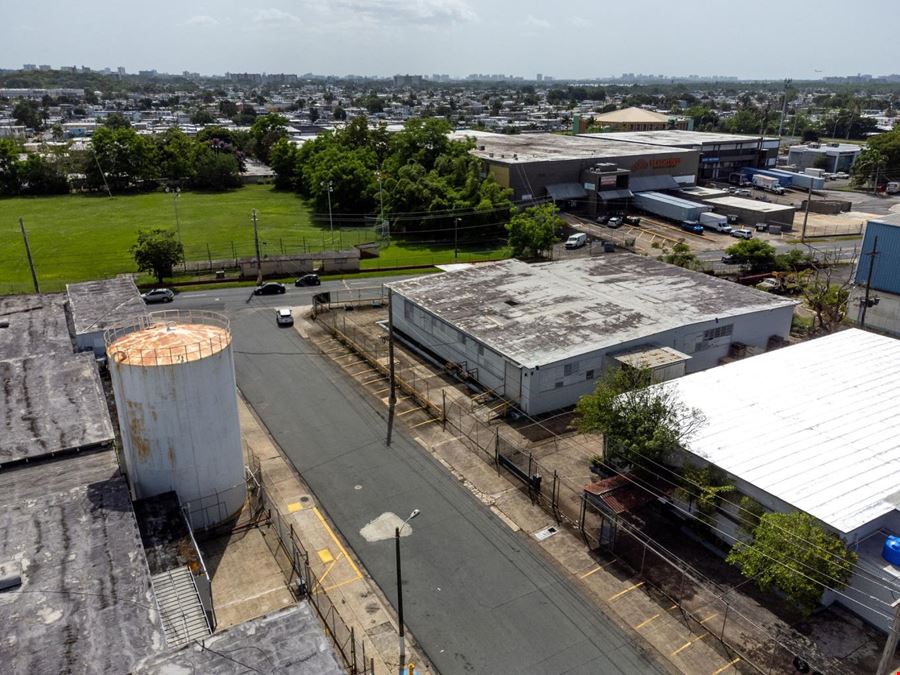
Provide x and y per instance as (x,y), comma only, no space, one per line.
(589,375)
(407,310)
(558,385)
(480,350)
(570,369)
(718,331)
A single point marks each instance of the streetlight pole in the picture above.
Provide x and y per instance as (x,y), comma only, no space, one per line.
(455,239)
(402,667)
(329,187)
(176,193)
(381,199)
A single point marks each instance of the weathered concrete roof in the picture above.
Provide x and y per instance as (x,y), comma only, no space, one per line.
(85,604)
(288,641)
(37,325)
(50,403)
(543,313)
(524,148)
(681,138)
(749,204)
(96,305)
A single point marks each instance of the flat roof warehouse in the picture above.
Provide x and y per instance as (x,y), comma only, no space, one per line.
(547,312)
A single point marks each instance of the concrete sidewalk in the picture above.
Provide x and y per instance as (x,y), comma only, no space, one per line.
(359,601)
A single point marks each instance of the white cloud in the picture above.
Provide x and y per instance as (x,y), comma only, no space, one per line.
(534,22)
(201,20)
(579,22)
(410,11)
(274,16)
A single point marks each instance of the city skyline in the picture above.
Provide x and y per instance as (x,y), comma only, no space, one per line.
(381,38)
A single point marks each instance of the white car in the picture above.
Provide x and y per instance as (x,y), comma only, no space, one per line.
(841,175)
(742,233)
(576,240)
(283,317)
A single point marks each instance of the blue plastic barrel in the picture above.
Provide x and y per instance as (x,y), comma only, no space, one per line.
(891,550)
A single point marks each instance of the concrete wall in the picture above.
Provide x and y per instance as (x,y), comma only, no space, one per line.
(884,317)
(302,264)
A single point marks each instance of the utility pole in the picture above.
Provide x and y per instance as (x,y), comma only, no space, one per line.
(37,288)
(329,187)
(102,174)
(455,239)
(402,668)
(392,399)
(176,193)
(787,83)
(385,228)
(259,274)
(806,214)
(890,645)
(865,302)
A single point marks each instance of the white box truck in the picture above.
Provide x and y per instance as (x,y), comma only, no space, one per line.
(768,183)
(818,173)
(715,221)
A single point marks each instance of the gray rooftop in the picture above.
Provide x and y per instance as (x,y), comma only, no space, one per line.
(85,604)
(96,305)
(288,641)
(572,307)
(51,403)
(749,204)
(525,148)
(37,325)
(680,138)
(825,148)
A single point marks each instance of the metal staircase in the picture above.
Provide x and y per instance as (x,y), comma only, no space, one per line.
(183,617)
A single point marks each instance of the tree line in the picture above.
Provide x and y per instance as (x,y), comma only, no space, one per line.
(432,184)
(119,159)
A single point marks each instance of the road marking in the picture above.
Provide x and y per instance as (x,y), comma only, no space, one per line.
(627,590)
(325,556)
(381,391)
(727,666)
(422,424)
(644,623)
(407,412)
(341,583)
(688,644)
(672,607)
(374,379)
(367,368)
(327,572)
(594,571)
(711,616)
(336,540)
(293,507)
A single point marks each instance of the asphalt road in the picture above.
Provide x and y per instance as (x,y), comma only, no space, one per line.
(476,596)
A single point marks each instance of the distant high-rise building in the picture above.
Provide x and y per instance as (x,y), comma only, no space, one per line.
(45,67)
(120,70)
(540,77)
(147,73)
(29,66)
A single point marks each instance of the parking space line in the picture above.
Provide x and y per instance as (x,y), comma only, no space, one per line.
(594,571)
(336,541)
(726,666)
(374,379)
(341,583)
(407,412)
(328,571)
(711,616)
(627,590)
(644,623)
(366,369)
(688,644)
(422,424)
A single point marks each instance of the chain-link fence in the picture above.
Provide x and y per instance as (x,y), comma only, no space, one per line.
(705,607)
(293,558)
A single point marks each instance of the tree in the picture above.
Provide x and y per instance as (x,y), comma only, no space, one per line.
(125,157)
(175,151)
(157,252)
(638,421)
(533,231)
(228,108)
(266,130)
(29,114)
(9,167)
(681,256)
(792,553)
(214,170)
(704,488)
(758,254)
(339,113)
(826,297)
(202,116)
(283,160)
(42,176)
(882,153)
(116,120)
(869,163)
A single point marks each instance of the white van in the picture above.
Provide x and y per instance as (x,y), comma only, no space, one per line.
(576,240)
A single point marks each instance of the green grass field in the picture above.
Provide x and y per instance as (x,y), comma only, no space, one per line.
(78,237)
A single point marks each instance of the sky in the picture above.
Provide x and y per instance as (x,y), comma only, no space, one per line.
(770,39)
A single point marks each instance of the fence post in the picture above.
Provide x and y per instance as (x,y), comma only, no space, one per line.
(581,519)
(554,496)
(497,449)
(353,668)
(444,409)
(643,557)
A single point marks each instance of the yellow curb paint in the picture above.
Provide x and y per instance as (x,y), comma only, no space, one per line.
(644,623)
(325,556)
(726,666)
(627,590)
(293,507)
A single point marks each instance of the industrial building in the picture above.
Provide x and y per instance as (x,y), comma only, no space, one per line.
(832,157)
(753,211)
(883,310)
(541,335)
(811,427)
(720,155)
(97,305)
(637,119)
(598,170)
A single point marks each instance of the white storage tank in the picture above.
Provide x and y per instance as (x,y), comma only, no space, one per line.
(173,378)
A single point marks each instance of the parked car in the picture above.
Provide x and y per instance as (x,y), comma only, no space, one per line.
(692,226)
(730,260)
(842,175)
(604,219)
(615,221)
(743,193)
(633,220)
(742,233)
(158,295)
(308,280)
(283,317)
(269,288)
(769,284)
(576,240)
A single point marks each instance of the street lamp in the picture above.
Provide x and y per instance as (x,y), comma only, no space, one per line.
(415,512)
(176,193)
(329,189)
(455,239)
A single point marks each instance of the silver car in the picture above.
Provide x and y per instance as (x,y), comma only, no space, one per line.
(283,317)
(158,295)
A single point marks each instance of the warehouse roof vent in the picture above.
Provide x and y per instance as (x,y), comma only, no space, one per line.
(512,303)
